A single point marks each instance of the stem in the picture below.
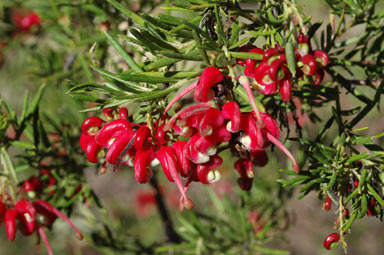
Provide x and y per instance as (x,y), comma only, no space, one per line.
(245,83)
(168,225)
(341,223)
(295,166)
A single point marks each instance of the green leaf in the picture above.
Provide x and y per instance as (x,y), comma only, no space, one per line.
(375,195)
(25,107)
(264,250)
(163,61)
(132,87)
(349,223)
(290,55)
(351,196)
(127,58)
(193,56)
(332,181)
(246,55)
(364,205)
(139,20)
(23,144)
(35,101)
(236,28)
(7,164)
(157,77)
(314,27)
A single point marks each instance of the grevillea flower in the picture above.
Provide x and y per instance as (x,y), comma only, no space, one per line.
(331,241)
(50,214)
(231,111)
(245,168)
(253,138)
(10,223)
(205,172)
(25,22)
(26,215)
(321,57)
(111,131)
(327,204)
(170,165)
(309,65)
(371,211)
(2,212)
(209,78)
(141,164)
(259,157)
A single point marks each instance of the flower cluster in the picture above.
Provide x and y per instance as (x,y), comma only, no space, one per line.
(188,143)
(34,186)
(271,73)
(29,217)
(25,22)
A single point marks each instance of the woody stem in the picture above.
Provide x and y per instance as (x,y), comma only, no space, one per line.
(169,230)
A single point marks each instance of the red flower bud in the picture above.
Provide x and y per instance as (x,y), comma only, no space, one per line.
(319,76)
(26,215)
(203,170)
(118,146)
(253,138)
(91,125)
(2,212)
(231,111)
(331,241)
(321,57)
(123,113)
(244,48)
(108,113)
(25,23)
(210,77)
(211,119)
(327,204)
(274,70)
(110,131)
(186,166)
(142,170)
(371,208)
(10,223)
(310,65)
(245,168)
(170,165)
(259,157)
(141,138)
(92,151)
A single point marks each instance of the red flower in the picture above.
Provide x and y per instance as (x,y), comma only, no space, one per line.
(245,168)
(210,77)
(142,161)
(25,22)
(231,111)
(170,165)
(327,204)
(331,241)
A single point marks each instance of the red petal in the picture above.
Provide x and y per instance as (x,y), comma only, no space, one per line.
(210,77)
(142,160)
(10,223)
